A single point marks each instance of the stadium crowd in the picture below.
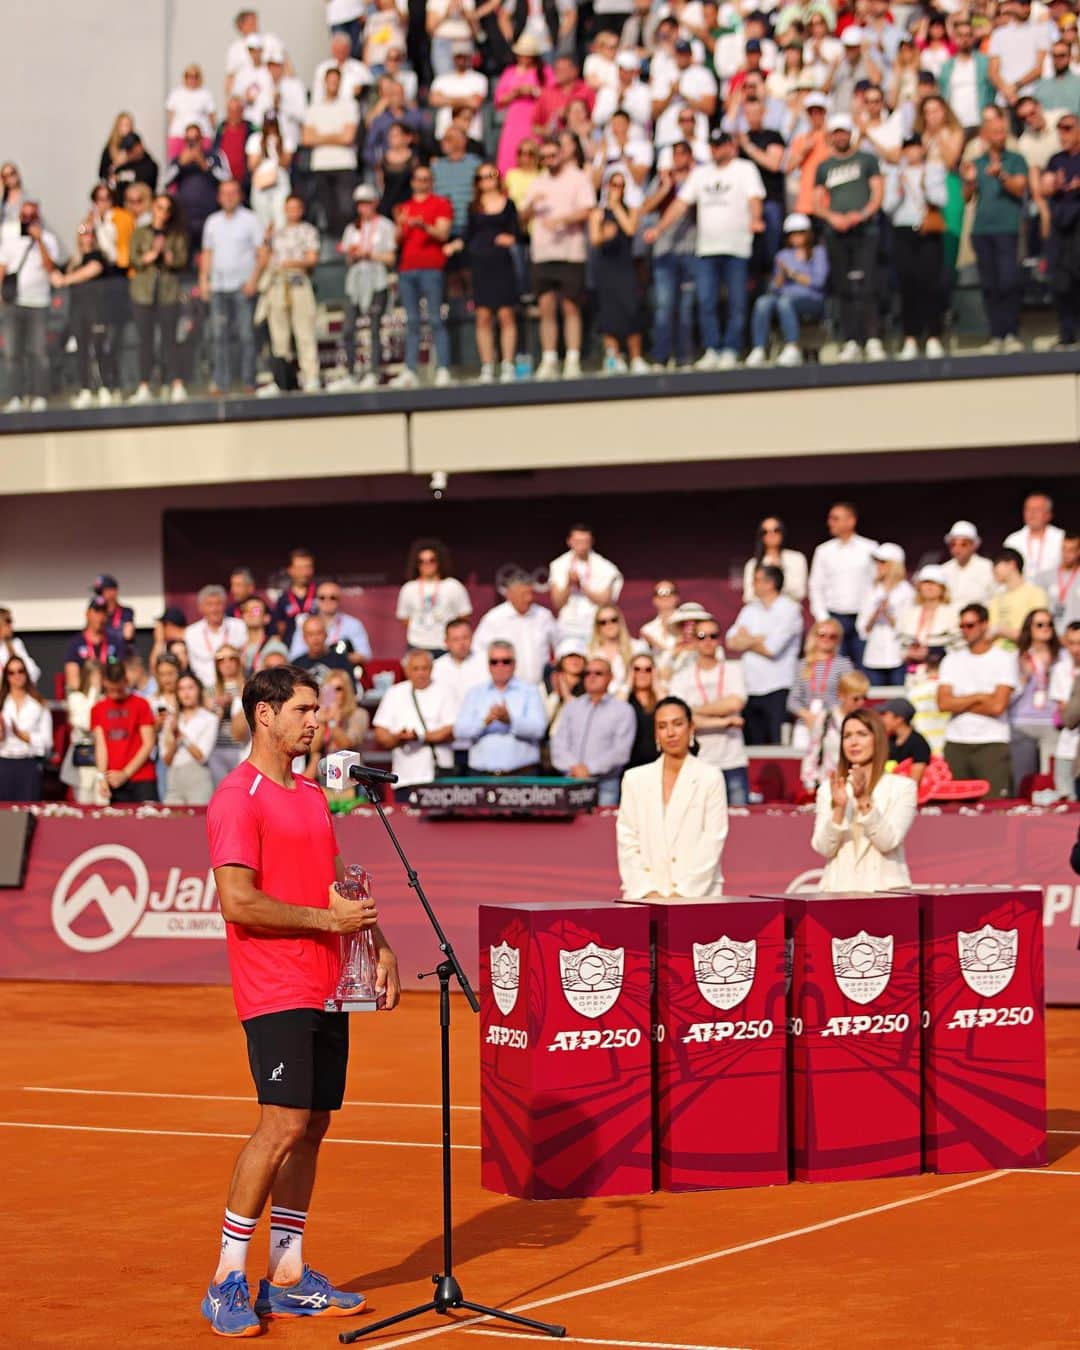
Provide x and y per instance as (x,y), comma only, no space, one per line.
(712,177)
(983,647)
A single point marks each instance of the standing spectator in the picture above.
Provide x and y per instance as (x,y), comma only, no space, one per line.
(612,227)
(345,634)
(159,257)
(491,233)
(915,197)
(629,94)
(345,19)
(1034,732)
(969,576)
(93,644)
(815,690)
(519,86)
(230,265)
(905,743)
(765,148)
(528,627)
(31,258)
(796,295)
(431,597)
(848,200)
(997,181)
(1060,188)
(213,631)
(878,622)
(714,689)
(1060,583)
(356,78)
(581,580)
(415,722)
(655,632)
(232,137)
(256,619)
(976,684)
(549,115)
(501,719)
(96,320)
(1065,699)
(384,32)
(459,87)
(567,682)
(285,100)
(294,252)
(841,574)
(298,597)
(125,159)
(557,207)
(459,668)
(674,261)
(771,548)
(189,102)
(642,696)
(766,635)
(252,81)
(931,624)
(823,755)
(1039,541)
(79,770)
(11,198)
(237,55)
(26,734)
(1014,599)
(119,619)
(454,176)
(1060,89)
(686,85)
(423,228)
(806,150)
(595,734)
(241,590)
(268,161)
(233,735)
(330,133)
(965,79)
(610,638)
(370,247)
(185,744)
(388,110)
(125,732)
(855,67)
(1017,52)
(10,645)
(921,689)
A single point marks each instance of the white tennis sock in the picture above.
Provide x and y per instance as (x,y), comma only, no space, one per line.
(236,1234)
(286,1261)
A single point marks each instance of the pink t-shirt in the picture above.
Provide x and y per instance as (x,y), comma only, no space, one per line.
(553,196)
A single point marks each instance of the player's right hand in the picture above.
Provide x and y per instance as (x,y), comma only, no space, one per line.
(349,916)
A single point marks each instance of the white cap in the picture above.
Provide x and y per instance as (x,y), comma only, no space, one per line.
(365,193)
(796,221)
(816,100)
(254,40)
(932,572)
(689,612)
(852,37)
(963,529)
(569,647)
(890,553)
(273,53)
(840,122)
(627,61)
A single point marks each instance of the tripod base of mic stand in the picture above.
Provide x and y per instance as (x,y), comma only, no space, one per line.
(448,1296)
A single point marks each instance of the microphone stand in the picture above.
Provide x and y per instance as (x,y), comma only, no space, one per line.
(448,1293)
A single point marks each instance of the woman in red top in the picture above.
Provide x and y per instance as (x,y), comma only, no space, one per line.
(423,227)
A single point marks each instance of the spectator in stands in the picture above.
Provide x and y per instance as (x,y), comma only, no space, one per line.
(384,31)
(457,87)
(10,646)
(1060,89)
(766,635)
(26,734)
(610,638)
(814,692)
(125,159)
(1060,188)
(185,744)
(501,719)
(387,112)
(685,85)
(854,67)
(194,176)
(458,669)
(285,99)
(230,265)
(169,627)
(256,619)
(674,262)
(931,622)
(969,577)
(124,731)
(93,644)
(1061,586)
(1039,541)
(655,632)
(241,590)
(415,722)
(211,633)
(914,200)
(252,81)
(1014,599)
(395,68)
(965,78)
(549,115)
(796,295)
(79,768)
(997,182)
(528,627)
(318,657)
(268,163)
(848,199)
(159,257)
(878,622)
(370,247)
(246,22)
(330,133)
(566,681)
(1017,51)
(140,681)
(771,548)
(355,78)
(581,580)
(765,147)
(11,196)
(292,311)
(643,694)
(1034,733)
(423,228)
(976,684)
(519,86)
(431,597)
(491,233)
(232,137)
(714,689)
(233,735)
(612,227)
(454,176)
(119,618)
(345,634)
(823,755)
(345,19)
(31,258)
(343,724)
(905,743)
(1065,699)
(298,597)
(841,574)
(557,207)
(595,734)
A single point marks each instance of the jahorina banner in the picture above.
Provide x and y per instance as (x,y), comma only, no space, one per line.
(123,897)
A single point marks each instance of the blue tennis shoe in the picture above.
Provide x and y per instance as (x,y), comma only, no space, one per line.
(312,1296)
(227,1307)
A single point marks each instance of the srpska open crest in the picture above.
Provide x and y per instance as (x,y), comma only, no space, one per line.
(592,978)
(988,958)
(862,965)
(724,970)
(505,976)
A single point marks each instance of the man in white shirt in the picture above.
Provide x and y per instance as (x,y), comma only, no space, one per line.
(581,581)
(461,86)
(629,93)
(415,722)
(238,56)
(459,668)
(714,688)
(213,631)
(252,80)
(529,628)
(975,686)
(767,634)
(1062,584)
(31,255)
(968,575)
(841,573)
(1017,52)
(729,196)
(330,131)
(356,79)
(285,96)
(1039,542)
(693,87)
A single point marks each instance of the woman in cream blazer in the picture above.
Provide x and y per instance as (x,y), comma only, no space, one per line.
(672,819)
(863,813)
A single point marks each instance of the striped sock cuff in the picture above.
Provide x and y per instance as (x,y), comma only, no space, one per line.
(236,1228)
(288,1220)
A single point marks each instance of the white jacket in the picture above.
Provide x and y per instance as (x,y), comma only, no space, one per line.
(866,853)
(674,851)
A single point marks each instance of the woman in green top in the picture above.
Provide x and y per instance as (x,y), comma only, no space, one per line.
(159,254)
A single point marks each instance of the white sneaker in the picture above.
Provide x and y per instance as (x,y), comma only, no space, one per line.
(548,369)
(38,404)
(709,360)
(614,364)
(178,393)
(790,355)
(728,359)
(142,395)
(639,366)
(934,349)
(909,351)
(267,390)
(507,372)
(404,379)
(572,366)
(850,352)
(369,382)
(1012,345)
(487,373)
(83,399)
(105,398)
(312,386)
(757,357)
(874,350)
(992,348)
(15,404)
(443,378)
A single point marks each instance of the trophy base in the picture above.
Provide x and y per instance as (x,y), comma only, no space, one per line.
(354,1004)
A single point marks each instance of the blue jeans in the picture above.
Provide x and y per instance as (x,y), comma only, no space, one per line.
(673,278)
(1000,280)
(609,790)
(788,311)
(769,245)
(233,310)
(711,272)
(851,644)
(353,30)
(879,675)
(737,782)
(425,283)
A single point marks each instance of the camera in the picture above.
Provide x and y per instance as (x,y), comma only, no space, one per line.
(437,483)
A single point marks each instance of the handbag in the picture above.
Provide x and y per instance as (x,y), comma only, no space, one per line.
(440,771)
(9,287)
(83,755)
(933,222)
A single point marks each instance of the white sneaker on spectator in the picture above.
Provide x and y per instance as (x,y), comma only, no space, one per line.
(369,382)
(874,350)
(312,386)
(709,360)
(83,399)
(934,350)
(548,369)
(614,364)
(404,379)
(142,395)
(757,357)
(443,378)
(178,392)
(909,351)
(105,398)
(267,390)
(38,404)
(487,373)
(1011,345)
(790,355)
(728,359)
(507,372)
(639,366)
(850,352)
(572,366)
(991,348)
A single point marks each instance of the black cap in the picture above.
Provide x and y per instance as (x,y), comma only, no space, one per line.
(899,707)
(753,45)
(96,602)
(720,138)
(175,615)
(105,582)
(683,46)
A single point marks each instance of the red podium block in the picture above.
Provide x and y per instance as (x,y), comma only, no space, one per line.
(565,1050)
(721,1044)
(984,1037)
(854,1023)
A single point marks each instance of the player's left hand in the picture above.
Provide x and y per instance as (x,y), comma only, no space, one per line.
(387,981)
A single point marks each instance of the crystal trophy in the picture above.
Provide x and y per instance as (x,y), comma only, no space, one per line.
(359,960)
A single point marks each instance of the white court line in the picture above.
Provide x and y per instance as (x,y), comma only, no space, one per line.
(1072,1132)
(216,1097)
(214,1134)
(1045,1172)
(589,1340)
(698,1260)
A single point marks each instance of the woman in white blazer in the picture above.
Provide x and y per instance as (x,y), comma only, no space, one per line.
(863,813)
(672,819)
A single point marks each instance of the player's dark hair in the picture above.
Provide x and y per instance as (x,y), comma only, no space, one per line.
(275,686)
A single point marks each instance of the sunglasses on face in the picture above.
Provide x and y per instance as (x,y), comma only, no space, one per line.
(16,670)
(500,661)
(707,637)
(327,595)
(218,660)
(642,670)
(611,618)
(967,624)
(486,177)
(664,591)
(599,673)
(1042,623)
(826,637)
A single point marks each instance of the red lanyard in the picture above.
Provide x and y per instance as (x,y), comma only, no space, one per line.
(428,606)
(102,656)
(812,683)
(292,609)
(701,688)
(1063,591)
(1040,670)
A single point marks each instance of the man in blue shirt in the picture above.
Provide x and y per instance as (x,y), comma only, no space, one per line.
(502,719)
(595,734)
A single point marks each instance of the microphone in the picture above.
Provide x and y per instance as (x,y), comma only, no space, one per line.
(339,769)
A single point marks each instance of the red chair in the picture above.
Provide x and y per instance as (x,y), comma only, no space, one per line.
(373,668)
(938,785)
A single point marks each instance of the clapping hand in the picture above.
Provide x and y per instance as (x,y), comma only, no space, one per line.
(859,777)
(838,789)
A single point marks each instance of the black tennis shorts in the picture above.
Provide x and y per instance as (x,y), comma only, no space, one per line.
(298,1058)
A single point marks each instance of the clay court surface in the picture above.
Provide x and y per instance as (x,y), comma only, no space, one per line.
(122,1109)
